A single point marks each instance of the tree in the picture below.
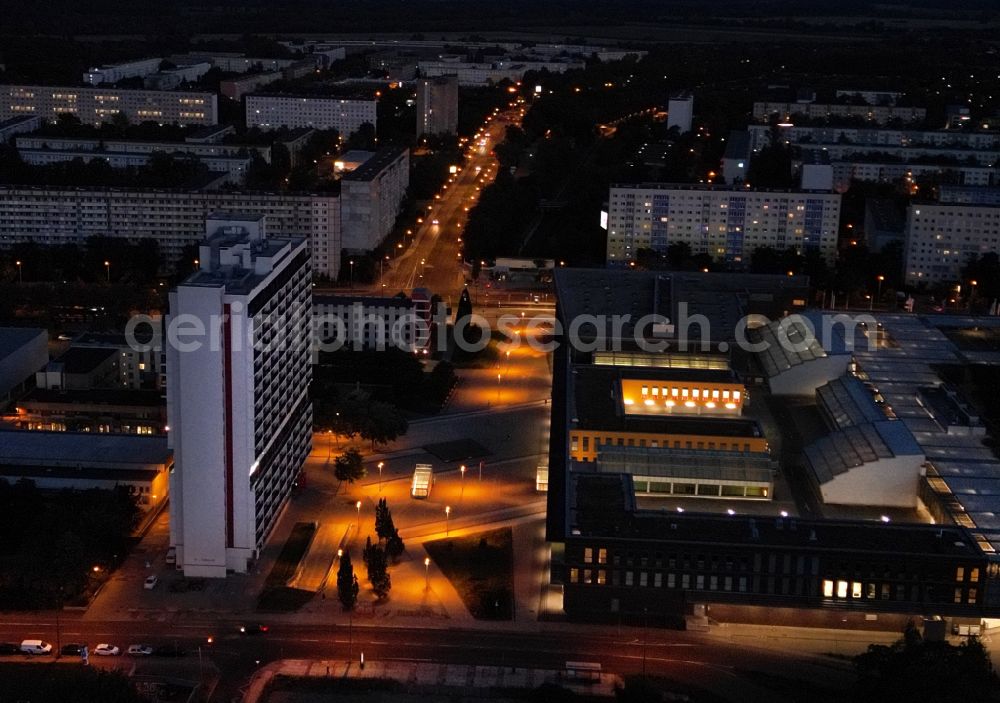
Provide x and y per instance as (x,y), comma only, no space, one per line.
(349,466)
(384,526)
(394,545)
(347,582)
(915,670)
(382,423)
(378,570)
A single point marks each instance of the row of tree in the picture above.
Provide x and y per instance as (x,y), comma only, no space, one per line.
(376,556)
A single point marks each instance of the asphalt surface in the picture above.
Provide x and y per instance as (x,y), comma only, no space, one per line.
(691,657)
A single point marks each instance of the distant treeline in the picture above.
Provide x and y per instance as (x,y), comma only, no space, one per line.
(112,17)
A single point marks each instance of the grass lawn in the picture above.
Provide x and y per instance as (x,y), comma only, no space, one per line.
(291,554)
(283,599)
(276,596)
(481,568)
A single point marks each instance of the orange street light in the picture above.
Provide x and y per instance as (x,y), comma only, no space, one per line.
(447,519)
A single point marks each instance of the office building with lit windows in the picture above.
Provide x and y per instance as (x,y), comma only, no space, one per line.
(898,488)
(238,403)
(96,105)
(724,222)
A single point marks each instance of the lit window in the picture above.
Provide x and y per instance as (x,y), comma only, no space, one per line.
(960,573)
(588,555)
(974,575)
(856,589)
(574,575)
(602,556)
(586,576)
(841,589)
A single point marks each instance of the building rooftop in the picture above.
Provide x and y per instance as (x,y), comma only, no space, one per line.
(100,396)
(846,402)
(855,445)
(788,343)
(20,119)
(681,463)
(84,359)
(373,166)
(13,338)
(81,450)
(601,506)
(722,298)
(598,406)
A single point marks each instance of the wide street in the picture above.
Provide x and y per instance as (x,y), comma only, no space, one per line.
(433,258)
(713,662)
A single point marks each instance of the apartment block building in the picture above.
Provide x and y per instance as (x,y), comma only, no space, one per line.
(173,219)
(346,115)
(437,105)
(940,238)
(876,114)
(112,73)
(238,402)
(96,105)
(371,196)
(725,222)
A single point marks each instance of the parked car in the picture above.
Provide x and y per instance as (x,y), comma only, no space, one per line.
(172,555)
(253,629)
(106,650)
(72,648)
(150,583)
(8,648)
(139,650)
(36,647)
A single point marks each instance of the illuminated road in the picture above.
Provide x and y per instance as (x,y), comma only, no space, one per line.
(716,665)
(433,260)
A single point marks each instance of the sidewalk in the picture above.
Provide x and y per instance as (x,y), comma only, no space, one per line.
(456,679)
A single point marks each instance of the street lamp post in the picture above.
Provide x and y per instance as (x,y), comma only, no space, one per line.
(358,506)
(380,465)
(447,520)
(20,277)
(972,293)
(498,388)
(880,279)
(462,469)
(107,270)
(351,262)
(427,573)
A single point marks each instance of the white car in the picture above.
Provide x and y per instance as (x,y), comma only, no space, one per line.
(150,583)
(106,650)
(139,650)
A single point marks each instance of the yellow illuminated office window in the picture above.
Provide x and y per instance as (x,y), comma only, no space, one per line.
(827,588)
